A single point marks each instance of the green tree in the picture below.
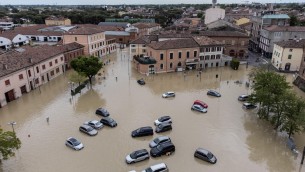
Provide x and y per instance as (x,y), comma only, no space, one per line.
(77,78)
(8,143)
(268,86)
(294,21)
(294,115)
(87,66)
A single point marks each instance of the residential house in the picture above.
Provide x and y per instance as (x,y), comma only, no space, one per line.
(210,52)
(235,43)
(170,55)
(6,25)
(93,39)
(52,20)
(139,46)
(276,33)
(10,39)
(260,22)
(27,68)
(288,55)
(146,28)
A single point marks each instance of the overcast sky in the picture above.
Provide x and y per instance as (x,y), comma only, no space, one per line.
(116,2)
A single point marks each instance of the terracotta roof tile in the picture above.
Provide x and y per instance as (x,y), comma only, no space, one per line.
(223,34)
(292,43)
(205,41)
(276,28)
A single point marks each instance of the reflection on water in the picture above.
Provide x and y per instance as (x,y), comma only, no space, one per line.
(240,141)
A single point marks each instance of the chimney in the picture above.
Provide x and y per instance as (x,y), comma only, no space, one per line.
(5,66)
(30,60)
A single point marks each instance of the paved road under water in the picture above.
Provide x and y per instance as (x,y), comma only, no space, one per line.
(240,141)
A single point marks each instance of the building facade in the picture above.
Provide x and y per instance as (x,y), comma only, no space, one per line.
(276,33)
(213,14)
(57,21)
(287,55)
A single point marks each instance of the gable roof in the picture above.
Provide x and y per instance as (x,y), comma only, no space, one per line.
(223,34)
(291,43)
(276,28)
(206,41)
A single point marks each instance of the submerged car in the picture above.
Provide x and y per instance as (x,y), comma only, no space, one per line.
(162,149)
(137,156)
(168,94)
(141,82)
(213,93)
(201,103)
(143,131)
(103,112)
(205,155)
(157,168)
(163,127)
(163,119)
(95,124)
(243,97)
(88,130)
(109,122)
(74,143)
(249,106)
(199,108)
(159,140)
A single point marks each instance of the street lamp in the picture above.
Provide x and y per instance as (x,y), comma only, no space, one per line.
(12,124)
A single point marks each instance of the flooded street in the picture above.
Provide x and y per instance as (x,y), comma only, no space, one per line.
(236,137)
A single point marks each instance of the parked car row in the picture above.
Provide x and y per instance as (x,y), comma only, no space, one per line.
(246,105)
(90,128)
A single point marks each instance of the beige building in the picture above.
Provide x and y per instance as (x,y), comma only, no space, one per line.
(92,38)
(242,21)
(29,67)
(169,56)
(287,55)
(52,20)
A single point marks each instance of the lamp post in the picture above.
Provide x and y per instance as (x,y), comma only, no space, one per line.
(12,124)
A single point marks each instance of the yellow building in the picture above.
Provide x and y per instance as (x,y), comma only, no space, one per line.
(57,21)
(241,21)
(287,55)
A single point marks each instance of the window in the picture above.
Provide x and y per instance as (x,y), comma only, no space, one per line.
(161,56)
(36,81)
(201,57)
(195,53)
(37,69)
(179,55)
(218,48)
(29,72)
(171,65)
(207,57)
(50,63)
(144,51)
(213,49)
(207,49)
(161,66)
(187,54)
(7,82)
(52,72)
(212,57)
(171,55)
(218,56)
(21,76)
(43,67)
(57,70)
(143,45)
(290,50)
(75,38)
(133,50)
(61,58)
(56,61)
(289,56)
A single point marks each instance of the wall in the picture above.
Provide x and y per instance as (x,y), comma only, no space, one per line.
(81,39)
(213,14)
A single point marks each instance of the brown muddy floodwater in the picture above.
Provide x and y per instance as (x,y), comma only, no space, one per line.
(239,140)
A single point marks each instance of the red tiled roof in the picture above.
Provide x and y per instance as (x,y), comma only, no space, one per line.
(291,43)
(205,41)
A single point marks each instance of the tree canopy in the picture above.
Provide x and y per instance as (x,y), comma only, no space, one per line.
(8,143)
(277,103)
(87,66)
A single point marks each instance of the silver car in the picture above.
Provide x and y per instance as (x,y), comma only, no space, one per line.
(199,108)
(74,143)
(88,130)
(95,124)
(157,168)
(137,156)
(159,140)
(168,94)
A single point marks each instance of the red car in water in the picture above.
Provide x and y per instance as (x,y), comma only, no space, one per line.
(201,103)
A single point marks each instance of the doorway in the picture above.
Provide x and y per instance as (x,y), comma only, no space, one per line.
(287,66)
(23,89)
(10,96)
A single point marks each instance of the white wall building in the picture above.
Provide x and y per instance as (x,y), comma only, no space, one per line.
(213,14)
